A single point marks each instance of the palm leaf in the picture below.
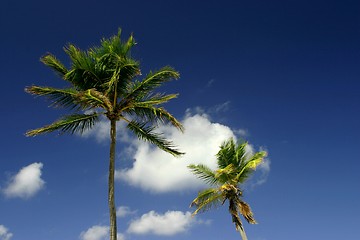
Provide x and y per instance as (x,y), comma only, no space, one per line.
(93,99)
(146,133)
(51,61)
(153,80)
(59,97)
(250,165)
(204,173)
(226,154)
(245,210)
(207,199)
(152,114)
(76,123)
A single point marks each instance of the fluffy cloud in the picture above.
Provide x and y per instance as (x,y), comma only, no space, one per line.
(26,183)
(95,233)
(168,224)
(4,233)
(98,232)
(157,171)
(124,211)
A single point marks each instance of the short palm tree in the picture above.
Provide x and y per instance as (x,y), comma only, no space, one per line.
(235,164)
(102,82)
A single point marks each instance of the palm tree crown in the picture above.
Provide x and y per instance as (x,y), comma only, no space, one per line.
(235,165)
(103,82)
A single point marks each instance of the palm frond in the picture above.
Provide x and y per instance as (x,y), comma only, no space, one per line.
(233,210)
(147,133)
(250,165)
(204,173)
(152,114)
(207,199)
(93,99)
(245,210)
(226,175)
(153,80)
(84,73)
(240,152)
(55,64)
(59,97)
(123,71)
(76,123)
(226,154)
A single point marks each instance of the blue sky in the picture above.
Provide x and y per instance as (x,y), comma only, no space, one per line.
(282,74)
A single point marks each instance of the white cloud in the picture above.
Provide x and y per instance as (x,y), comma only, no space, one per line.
(124,211)
(120,236)
(4,233)
(95,233)
(220,108)
(157,171)
(26,183)
(99,232)
(264,169)
(168,224)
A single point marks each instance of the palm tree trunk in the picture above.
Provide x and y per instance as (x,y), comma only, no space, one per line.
(111,195)
(242,233)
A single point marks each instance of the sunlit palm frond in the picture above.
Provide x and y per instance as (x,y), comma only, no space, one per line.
(226,175)
(153,80)
(249,166)
(152,114)
(59,97)
(207,199)
(94,99)
(204,173)
(76,123)
(54,63)
(123,71)
(147,133)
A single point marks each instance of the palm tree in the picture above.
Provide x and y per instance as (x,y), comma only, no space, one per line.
(235,164)
(102,82)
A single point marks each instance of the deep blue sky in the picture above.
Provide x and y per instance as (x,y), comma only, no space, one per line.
(285,72)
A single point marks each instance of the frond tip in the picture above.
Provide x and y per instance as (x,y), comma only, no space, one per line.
(76,123)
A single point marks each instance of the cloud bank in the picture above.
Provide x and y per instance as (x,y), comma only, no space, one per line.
(168,224)
(26,183)
(4,233)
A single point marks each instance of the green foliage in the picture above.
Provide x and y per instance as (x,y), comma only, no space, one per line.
(235,165)
(102,79)
(75,123)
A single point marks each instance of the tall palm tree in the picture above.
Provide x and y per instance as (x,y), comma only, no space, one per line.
(102,82)
(235,164)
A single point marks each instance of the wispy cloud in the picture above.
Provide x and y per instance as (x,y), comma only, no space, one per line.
(220,108)
(210,83)
(26,183)
(124,211)
(4,233)
(167,224)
